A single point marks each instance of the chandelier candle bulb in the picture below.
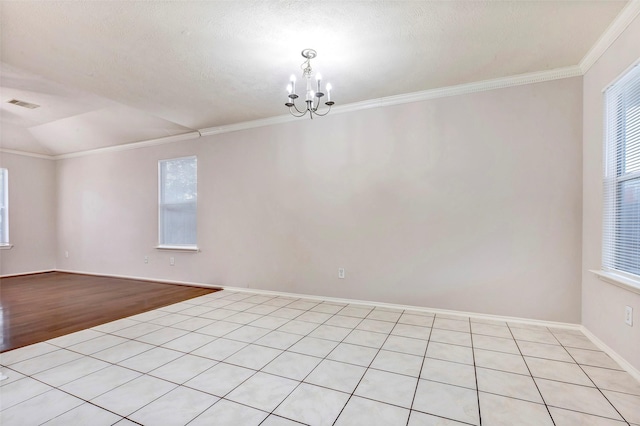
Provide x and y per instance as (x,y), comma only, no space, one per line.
(328,92)
(319,79)
(293,83)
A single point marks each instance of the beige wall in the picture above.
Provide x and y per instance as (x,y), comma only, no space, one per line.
(32,224)
(469,202)
(602,303)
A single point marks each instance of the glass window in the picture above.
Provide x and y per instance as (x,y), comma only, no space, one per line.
(178,201)
(621,242)
(4,207)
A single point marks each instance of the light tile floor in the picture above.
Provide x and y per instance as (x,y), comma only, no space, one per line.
(243,359)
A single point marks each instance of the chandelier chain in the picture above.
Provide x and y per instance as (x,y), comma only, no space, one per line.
(306,68)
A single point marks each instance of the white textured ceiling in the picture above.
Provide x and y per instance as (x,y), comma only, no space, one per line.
(114,72)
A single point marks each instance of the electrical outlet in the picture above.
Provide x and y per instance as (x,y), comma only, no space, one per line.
(66,254)
(146,259)
(172,261)
(341,273)
(628,315)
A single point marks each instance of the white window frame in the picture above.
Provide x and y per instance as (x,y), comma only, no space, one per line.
(161,245)
(618,251)
(4,209)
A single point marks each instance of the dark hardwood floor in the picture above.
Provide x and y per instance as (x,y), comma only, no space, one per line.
(39,307)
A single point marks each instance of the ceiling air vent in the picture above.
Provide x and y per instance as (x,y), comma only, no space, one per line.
(24,104)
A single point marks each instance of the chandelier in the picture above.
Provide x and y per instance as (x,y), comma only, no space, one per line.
(312,99)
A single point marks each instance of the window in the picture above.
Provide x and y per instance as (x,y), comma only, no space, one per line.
(621,239)
(178,201)
(4,207)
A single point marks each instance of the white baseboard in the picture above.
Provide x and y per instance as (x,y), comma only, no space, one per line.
(410,308)
(130,277)
(613,354)
(20,274)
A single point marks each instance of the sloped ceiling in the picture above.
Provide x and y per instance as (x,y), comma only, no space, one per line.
(113,72)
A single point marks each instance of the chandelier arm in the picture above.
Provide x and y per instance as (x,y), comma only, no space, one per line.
(301,114)
(296,107)
(325,113)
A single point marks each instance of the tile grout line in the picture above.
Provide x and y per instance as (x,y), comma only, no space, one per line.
(531,374)
(424,357)
(590,379)
(300,382)
(445,383)
(283,351)
(369,366)
(77,397)
(248,378)
(359,345)
(475,373)
(219,362)
(325,358)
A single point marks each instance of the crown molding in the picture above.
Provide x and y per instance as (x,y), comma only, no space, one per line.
(26,154)
(280,119)
(128,146)
(461,89)
(622,21)
(464,89)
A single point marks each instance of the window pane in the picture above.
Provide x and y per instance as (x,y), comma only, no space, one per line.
(632,129)
(178,201)
(179,178)
(628,227)
(179,224)
(4,211)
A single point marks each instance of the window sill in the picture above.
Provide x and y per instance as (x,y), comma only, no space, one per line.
(6,246)
(194,249)
(618,280)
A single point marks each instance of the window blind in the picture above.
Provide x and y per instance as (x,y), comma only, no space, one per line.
(621,220)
